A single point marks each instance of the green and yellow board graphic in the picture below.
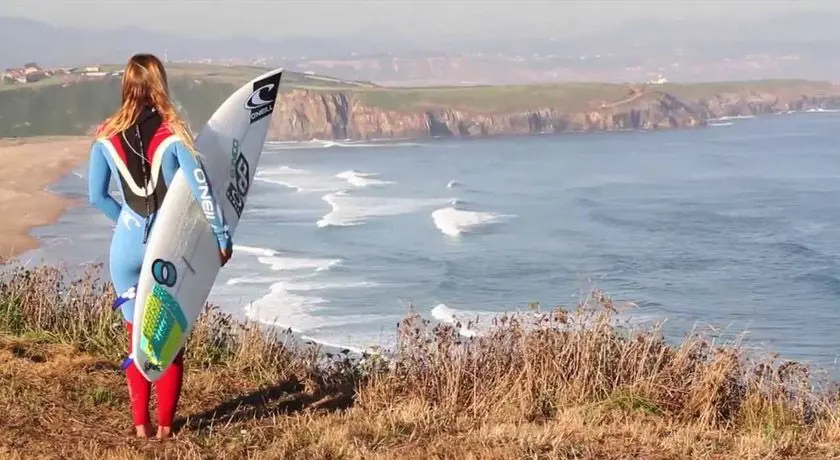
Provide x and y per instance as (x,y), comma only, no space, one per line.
(163,325)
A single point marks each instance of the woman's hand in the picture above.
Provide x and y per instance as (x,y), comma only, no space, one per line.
(224,255)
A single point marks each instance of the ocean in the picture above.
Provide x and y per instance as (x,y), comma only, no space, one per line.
(733,226)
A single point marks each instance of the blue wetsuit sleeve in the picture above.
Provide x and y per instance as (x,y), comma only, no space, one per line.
(99,177)
(202,189)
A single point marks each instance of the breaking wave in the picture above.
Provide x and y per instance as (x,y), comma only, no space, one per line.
(454,222)
(347,210)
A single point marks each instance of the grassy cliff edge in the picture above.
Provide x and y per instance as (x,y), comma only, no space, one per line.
(566,383)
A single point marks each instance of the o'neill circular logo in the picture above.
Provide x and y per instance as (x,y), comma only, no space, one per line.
(256,101)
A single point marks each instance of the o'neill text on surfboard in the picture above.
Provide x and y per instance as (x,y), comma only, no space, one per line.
(206,202)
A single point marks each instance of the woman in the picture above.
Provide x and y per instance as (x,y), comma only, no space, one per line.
(142,141)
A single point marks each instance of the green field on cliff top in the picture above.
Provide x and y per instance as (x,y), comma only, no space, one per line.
(485,96)
(571,96)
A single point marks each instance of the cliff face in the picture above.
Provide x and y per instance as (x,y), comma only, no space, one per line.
(304,115)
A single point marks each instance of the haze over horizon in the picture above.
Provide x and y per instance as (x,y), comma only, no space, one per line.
(442,42)
(407,20)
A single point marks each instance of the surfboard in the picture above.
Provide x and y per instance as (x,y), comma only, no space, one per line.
(182,255)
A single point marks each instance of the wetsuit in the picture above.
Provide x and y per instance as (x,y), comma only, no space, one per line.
(139,158)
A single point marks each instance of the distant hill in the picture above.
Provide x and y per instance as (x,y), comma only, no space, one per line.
(792,28)
(57,106)
(796,45)
(25,40)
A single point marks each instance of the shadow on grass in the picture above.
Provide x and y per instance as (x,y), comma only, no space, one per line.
(282,399)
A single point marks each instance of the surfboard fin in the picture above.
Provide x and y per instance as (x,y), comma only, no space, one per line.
(126,363)
(129,294)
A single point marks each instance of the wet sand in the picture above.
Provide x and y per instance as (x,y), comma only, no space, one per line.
(27,167)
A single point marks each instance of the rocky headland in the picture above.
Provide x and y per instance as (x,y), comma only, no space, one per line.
(305,114)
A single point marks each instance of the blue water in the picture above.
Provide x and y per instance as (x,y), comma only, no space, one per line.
(733,226)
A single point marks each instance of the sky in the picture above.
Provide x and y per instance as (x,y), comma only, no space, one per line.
(409,19)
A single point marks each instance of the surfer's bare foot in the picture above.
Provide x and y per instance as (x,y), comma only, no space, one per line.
(143,431)
(164,432)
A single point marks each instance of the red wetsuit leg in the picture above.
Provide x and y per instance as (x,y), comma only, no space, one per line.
(168,391)
(139,390)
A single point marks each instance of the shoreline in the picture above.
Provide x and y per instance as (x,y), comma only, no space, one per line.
(30,166)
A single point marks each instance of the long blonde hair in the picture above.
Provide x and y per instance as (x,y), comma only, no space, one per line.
(144,83)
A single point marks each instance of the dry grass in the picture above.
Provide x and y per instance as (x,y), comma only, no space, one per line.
(570,383)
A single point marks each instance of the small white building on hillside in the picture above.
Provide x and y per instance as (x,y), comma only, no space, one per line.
(659,81)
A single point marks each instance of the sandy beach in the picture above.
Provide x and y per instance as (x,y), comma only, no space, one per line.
(28,167)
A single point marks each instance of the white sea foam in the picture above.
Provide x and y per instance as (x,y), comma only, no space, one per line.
(284,306)
(298,263)
(463,319)
(307,181)
(345,208)
(361,179)
(349,210)
(478,323)
(300,179)
(733,117)
(254,250)
(297,145)
(278,263)
(727,123)
(250,280)
(822,110)
(325,144)
(454,222)
(293,298)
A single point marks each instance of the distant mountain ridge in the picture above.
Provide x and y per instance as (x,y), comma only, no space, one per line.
(796,45)
(26,40)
